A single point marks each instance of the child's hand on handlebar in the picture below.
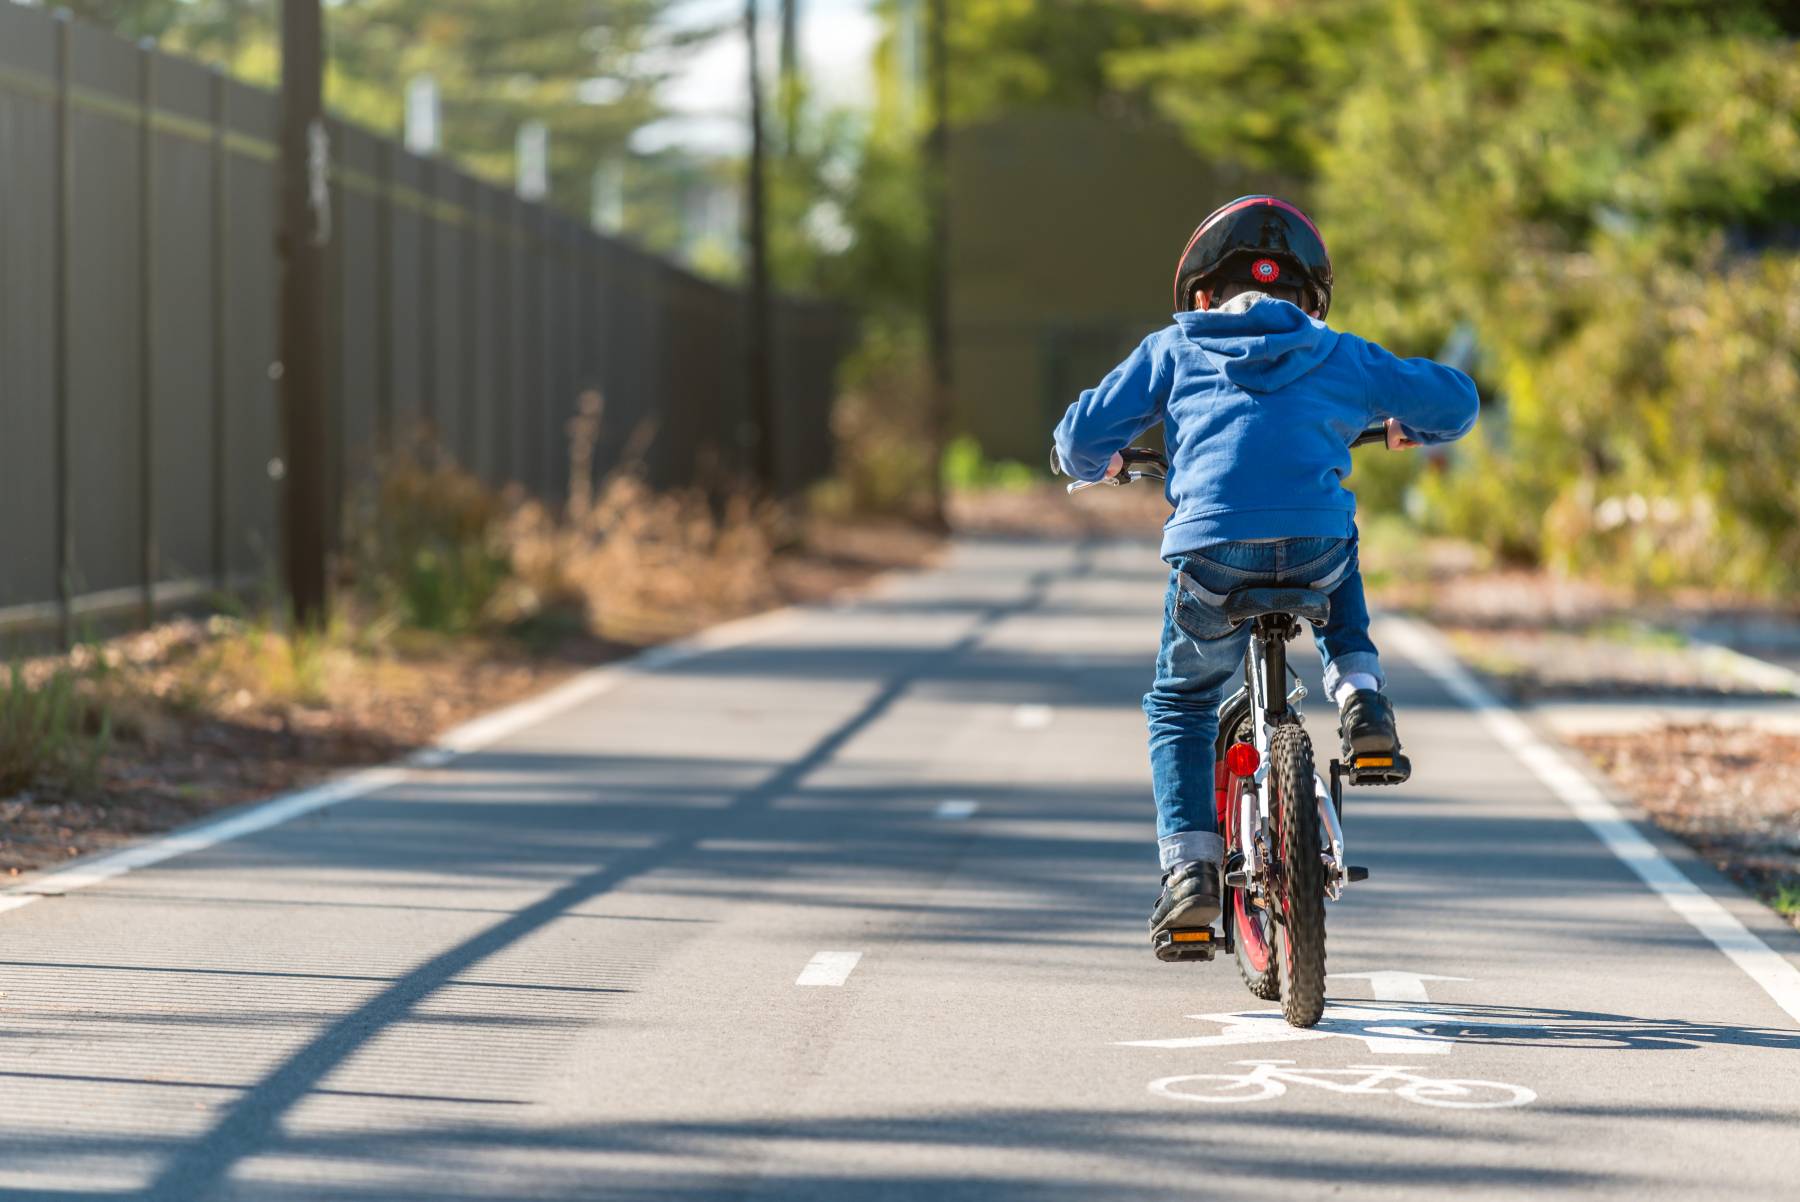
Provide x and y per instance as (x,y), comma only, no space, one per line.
(1396,439)
(1116,466)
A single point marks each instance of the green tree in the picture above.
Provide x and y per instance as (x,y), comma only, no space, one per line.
(1605,190)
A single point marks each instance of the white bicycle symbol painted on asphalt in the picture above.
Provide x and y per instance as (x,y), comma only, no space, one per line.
(1268,1079)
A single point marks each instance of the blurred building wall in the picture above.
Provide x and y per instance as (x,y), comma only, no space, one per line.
(1065,229)
(137,328)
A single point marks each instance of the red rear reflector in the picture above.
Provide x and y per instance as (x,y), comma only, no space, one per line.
(1241,759)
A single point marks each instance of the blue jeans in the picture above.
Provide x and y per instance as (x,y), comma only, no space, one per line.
(1201,655)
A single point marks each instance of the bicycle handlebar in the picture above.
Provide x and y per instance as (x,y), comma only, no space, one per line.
(1142,463)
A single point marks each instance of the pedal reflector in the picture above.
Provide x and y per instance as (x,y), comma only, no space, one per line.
(1191,936)
(1373,761)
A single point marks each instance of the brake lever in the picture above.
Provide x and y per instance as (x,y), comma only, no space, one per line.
(1118,481)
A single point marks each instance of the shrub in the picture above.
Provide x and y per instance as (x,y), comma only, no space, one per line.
(428,547)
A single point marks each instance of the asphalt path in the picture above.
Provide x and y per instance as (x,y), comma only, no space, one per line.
(850,905)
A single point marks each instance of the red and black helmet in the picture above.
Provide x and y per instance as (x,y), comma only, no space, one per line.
(1258,240)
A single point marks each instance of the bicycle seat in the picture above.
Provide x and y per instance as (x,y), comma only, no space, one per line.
(1304,603)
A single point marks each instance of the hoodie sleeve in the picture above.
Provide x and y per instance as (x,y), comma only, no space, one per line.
(1104,420)
(1432,402)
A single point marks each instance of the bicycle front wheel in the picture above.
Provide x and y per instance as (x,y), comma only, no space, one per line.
(1300,934)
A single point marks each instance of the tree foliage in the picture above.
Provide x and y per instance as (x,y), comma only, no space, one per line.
(588,69)
(1607,191)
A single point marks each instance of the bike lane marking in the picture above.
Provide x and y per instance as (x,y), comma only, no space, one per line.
(828,969)
(1269,1079)
(1384,1031)
(1762,963)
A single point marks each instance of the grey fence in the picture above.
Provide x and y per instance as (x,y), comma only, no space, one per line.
(138,424)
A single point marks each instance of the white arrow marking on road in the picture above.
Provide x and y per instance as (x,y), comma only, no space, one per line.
(1383,1031)
(828,968)
(1392,986)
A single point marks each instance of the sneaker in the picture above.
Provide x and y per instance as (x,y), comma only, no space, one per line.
(1367,726)
(1190,898)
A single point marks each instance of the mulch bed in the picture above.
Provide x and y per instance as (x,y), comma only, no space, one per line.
(1733,794)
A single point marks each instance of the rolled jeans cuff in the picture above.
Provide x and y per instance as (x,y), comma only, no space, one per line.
(1353,661)
(1190,845)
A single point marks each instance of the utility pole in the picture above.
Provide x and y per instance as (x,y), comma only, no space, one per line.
(304,230)
(789,87)
(759,359)
(937,300)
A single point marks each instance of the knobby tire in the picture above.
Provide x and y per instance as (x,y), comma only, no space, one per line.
(1300,936)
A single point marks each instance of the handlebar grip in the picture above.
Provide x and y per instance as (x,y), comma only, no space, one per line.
(1372,434)
(1143,456)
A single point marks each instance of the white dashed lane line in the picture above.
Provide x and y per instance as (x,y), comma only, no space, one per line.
(828,968)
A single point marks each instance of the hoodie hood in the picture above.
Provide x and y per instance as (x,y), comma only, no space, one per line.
(1257,342)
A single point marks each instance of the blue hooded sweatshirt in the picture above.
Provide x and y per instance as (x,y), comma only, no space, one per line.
(1259,403)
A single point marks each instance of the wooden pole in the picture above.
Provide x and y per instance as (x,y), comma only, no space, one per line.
(766,461)
(304,224)
(937,300)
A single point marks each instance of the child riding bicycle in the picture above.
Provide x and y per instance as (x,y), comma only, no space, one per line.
(1259,401)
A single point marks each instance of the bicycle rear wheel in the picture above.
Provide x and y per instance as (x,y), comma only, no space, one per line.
(1252,929)
(1300,935)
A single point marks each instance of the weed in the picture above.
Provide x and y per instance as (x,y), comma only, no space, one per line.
(1785,898)
(51,734)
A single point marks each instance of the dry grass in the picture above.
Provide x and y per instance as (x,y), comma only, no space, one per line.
(457,600)
(642,565)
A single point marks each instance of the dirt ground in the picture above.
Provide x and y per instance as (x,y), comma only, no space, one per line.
(173,758)
(1733,794)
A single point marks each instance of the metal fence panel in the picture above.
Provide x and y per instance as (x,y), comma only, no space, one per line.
(356,220)
(28,301)
(104,364)
(180,315)
(251,438)
(411,408)
(461,311)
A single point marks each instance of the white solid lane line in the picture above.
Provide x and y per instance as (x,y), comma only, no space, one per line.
(1765,966)
(957,807)
(828,968)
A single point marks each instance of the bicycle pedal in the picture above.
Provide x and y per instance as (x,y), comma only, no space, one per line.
(1379,770)
(1192,944)
(1358,873)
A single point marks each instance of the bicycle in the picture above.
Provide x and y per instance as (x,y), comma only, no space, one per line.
(1267,1079)
(1282,824)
